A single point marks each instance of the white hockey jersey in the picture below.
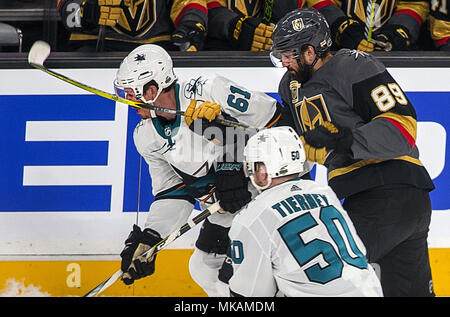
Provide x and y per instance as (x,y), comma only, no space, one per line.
(181,161)
(295,239)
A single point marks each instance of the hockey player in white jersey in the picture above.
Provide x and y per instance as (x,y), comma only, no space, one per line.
(294,239)
(184,165)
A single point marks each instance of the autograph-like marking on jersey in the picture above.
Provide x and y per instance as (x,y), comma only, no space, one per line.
(194,88)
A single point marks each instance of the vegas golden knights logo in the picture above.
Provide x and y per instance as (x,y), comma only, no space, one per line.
(380,11)
(311,112)
(298,25)
(137,17)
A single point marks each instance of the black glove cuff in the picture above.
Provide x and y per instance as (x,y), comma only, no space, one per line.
(445,47)
(131,244)
(390,33)
(345,141)
(150,237)
(231,186)
(351,36)
(241,32)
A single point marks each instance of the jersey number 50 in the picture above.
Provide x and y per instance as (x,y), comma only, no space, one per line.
(306,252)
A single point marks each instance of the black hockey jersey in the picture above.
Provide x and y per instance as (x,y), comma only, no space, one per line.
(354,90)
(222,12)
(140,22)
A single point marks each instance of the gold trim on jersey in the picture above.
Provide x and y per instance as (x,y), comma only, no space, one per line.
(419,7)
(179,5)
(84,37)
(407,122)
(439,28)
(362,163)
(250,8)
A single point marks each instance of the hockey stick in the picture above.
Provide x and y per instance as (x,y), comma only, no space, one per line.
(158,247)
(41,50)
(100,38)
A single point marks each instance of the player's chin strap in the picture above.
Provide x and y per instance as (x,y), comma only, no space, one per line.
(261,188)
(151,102)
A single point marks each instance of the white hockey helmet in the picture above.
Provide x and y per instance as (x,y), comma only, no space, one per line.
(281,151)
(145,63)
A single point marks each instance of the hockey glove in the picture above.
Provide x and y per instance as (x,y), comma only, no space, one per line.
(138,242)
(248,33)
(100,12)
(395,34)
(231,186)
(189,36)
(331,137)
(318,155)
(445,47)
(207,110)
(349,33)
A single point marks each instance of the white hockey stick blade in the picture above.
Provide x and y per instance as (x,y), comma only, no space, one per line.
(39,53)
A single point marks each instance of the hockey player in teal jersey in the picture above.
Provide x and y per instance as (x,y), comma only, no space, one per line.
(356,120)
(294,239)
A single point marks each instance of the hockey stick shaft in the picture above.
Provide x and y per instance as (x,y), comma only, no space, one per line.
(157,247)
(100,39)
(40,65)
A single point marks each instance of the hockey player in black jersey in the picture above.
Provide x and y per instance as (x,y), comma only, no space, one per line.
(356,120)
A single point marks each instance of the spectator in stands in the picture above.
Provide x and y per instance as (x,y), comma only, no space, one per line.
(440,24)
(245,25)
(130,23)
(373,24)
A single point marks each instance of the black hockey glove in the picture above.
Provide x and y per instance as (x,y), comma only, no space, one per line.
(133,266)
(331,137)
(445,47)
(349,33)
(231,186)
(100,12)
(189,36)
(248,33)
(395,34)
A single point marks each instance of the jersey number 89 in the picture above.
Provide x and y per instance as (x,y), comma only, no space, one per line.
(385,97)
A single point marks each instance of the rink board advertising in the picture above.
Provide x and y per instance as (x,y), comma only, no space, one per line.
(70,172)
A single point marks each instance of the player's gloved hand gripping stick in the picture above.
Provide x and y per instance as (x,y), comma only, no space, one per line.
(41,50)
(158,247)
